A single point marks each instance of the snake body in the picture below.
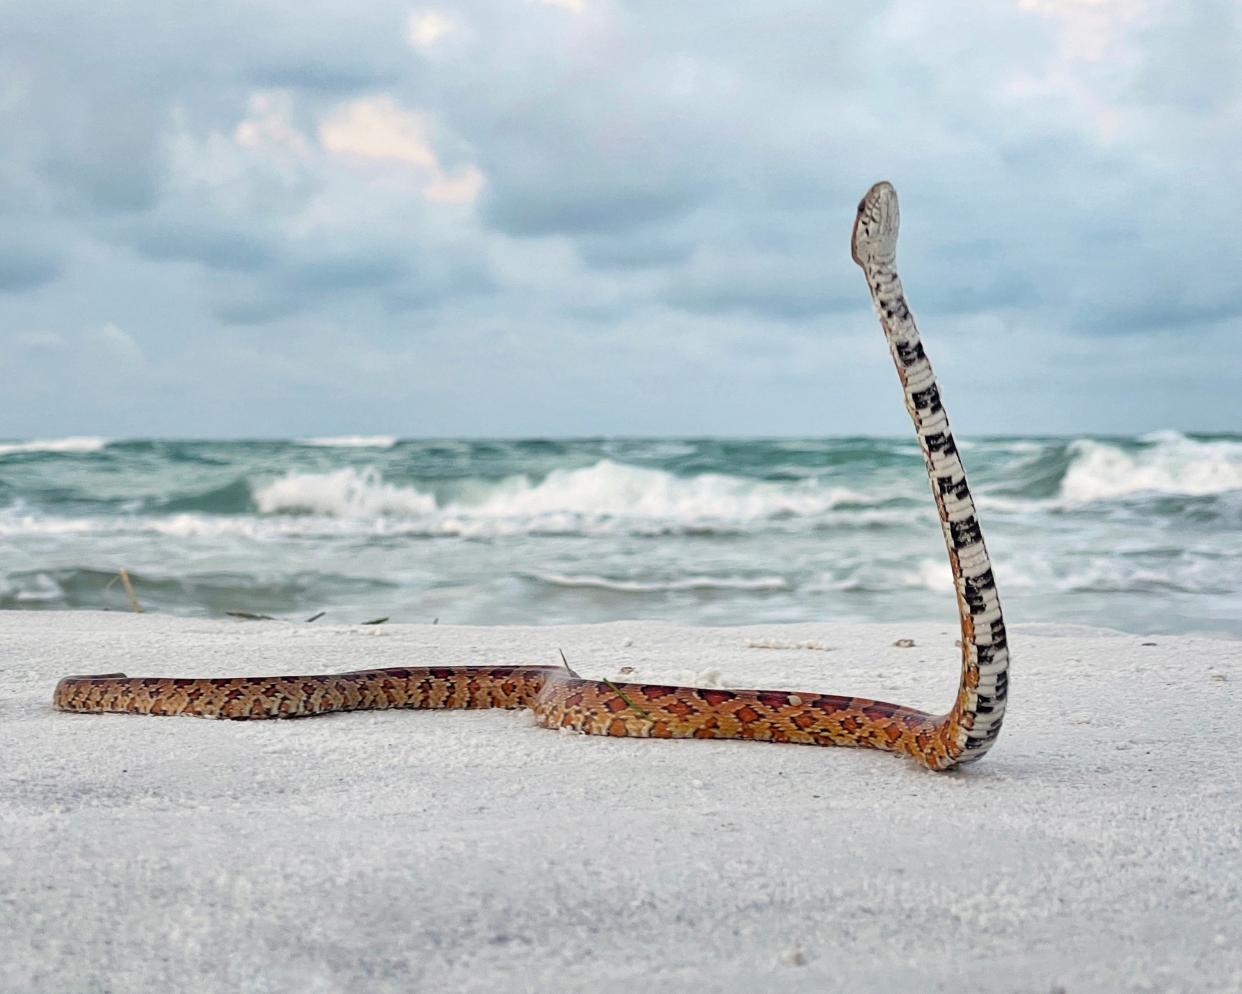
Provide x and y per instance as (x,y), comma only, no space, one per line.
(560,698)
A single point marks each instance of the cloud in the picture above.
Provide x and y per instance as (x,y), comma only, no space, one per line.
(320,77)
(426,27)
(267,124)
(1091,30)
(23,268)
(104,154)
(378,129)
(589,208)
(656,252)
(735,282)
(195,240)
(118,342)
(294,285)
(573,6)
(39,339)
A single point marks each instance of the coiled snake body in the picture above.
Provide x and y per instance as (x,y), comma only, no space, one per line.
(561,699)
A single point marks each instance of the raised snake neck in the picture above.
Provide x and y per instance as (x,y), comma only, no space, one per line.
(975,719)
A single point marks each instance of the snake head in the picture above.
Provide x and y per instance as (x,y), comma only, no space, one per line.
(875,227)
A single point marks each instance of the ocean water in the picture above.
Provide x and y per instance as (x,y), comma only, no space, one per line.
(1142,534)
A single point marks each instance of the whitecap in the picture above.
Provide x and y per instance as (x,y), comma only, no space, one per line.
(43,590)
(74,443)
(29,524)
(625,491)
(929,574)
(352,441)
(1168,463)
(345,493)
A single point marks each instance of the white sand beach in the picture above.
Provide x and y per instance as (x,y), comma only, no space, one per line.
(1098,847)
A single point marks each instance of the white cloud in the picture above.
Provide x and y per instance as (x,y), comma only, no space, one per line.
(576,6)
(380,130)
(1095,48)
(426,27)
(268,123)
(39,339)
(1091,30)
(118,342)
(462,188)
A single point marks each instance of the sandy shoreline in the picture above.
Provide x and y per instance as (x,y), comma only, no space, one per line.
(1097,848)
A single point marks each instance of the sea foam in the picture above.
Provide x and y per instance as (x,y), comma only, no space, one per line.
(560,501)
(352,441)
(346,493)
(1168,463)
(74,443)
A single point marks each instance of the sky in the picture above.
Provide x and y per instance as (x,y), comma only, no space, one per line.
(587,217)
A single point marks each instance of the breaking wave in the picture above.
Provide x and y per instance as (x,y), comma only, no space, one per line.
(1163,463)
(344,493)
(564,498)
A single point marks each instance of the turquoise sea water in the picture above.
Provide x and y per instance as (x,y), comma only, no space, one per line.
(1143,534)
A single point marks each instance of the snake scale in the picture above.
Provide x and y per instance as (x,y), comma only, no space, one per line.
(561,699)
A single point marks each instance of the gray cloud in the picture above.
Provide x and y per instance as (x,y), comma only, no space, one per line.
(632,253)
(23,268)
(320,76)
(221,247)
(616,207)
(344,271)
(791,287)
(255,307)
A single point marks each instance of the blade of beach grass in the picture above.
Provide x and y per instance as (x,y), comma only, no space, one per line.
(122,574)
